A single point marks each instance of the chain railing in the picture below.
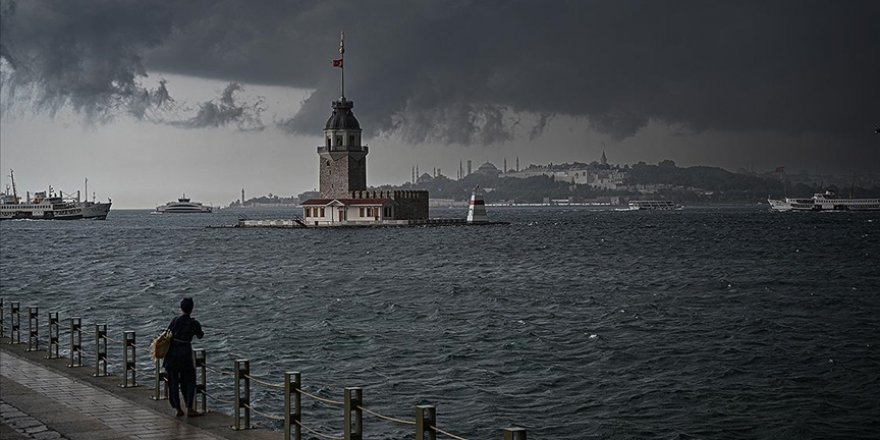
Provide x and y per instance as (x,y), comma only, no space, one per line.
(352,404)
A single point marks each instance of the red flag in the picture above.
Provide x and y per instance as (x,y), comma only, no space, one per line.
(337,63)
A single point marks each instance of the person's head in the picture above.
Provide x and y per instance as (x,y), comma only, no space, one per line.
(186,305)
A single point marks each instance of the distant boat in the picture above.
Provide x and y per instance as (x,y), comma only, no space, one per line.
(826,201)
(651,205)
(183,205)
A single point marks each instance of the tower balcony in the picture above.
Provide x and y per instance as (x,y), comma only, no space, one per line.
(343,149)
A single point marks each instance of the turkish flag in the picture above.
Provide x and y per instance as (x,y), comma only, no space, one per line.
(337,63)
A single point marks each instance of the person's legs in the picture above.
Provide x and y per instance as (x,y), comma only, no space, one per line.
(174,389)
(188,384)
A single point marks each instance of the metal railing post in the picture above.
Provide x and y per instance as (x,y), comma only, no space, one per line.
(242,379)
(14,323)
(33,328)
(75,343)
(353,420)
(514,433)
(100,350)
(161,383)
(129,359)
(54,336)
(426,417)
(202,384)
(292,405)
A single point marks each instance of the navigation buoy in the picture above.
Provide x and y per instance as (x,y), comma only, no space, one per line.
(477,208)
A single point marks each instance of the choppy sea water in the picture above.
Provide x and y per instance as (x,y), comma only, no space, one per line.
(701,323)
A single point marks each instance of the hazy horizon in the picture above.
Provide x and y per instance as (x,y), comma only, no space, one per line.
(204,98)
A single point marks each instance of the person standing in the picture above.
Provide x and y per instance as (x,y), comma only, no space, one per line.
(179,363)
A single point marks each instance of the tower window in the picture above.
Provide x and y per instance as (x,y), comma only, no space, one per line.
(328,142)
(351,140)
(339,140)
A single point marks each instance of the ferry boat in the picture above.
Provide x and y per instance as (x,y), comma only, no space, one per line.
(46,205)
(43,207)
(652,205)
(826,201)
(183,205)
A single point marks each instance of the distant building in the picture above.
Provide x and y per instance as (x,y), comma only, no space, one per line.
(488,169)
(599,177)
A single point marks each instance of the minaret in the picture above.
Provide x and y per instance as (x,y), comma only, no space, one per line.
(604,159)
(343,166)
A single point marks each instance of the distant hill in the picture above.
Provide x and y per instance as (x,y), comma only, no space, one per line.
(665,180)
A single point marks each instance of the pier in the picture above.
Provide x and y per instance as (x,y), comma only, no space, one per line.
(50,393)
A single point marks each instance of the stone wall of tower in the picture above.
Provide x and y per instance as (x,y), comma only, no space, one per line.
(341,173)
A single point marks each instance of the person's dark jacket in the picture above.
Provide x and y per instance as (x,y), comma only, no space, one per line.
(180,354)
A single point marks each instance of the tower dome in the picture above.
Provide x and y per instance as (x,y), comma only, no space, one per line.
(342,117)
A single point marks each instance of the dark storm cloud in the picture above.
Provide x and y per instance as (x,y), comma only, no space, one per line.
(466,72)
(245,116)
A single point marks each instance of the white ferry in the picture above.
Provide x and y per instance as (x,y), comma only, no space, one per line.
(652,205)
(183,205)
(46,205)
(42,207)
(826,201)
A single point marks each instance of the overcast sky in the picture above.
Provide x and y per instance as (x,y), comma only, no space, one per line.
(150,99)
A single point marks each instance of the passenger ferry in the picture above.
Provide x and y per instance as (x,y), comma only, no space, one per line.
(183,205)
(43,207)
(826,201)
(652,205)
(46,205)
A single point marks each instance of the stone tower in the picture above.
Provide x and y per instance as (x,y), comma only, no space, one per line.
(343,166)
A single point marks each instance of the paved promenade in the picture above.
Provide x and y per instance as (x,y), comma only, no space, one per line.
(43,399)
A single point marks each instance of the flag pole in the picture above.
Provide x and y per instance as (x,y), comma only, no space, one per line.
(342,58)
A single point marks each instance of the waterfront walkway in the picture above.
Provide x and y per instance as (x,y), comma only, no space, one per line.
(43,399)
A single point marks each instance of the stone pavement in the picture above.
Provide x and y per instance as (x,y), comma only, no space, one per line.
(40,400)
